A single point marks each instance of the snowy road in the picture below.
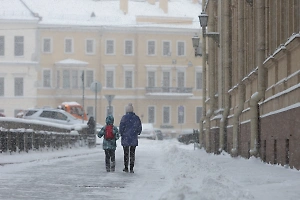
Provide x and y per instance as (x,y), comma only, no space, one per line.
(165,170)
(83,177)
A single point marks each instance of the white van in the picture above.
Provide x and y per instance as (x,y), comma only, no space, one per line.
(148,131)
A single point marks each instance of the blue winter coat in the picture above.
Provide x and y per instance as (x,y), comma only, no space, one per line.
(130,127)
(109,144)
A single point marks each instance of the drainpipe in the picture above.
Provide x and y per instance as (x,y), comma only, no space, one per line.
(241,86)
(211,74)
(261,87)
(226,55)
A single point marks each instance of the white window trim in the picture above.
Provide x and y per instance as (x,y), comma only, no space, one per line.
(155,83)
(154,113)
(155,48)
(110,68)
(170,115)
(184,53)
(114,46)
(94,46)
(162,48)
(132,54)
(72,49)
(51,45)
(184,71)
(47,69)
(184,114)
(170,78)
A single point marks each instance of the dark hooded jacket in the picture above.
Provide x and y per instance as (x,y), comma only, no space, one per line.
(130,127)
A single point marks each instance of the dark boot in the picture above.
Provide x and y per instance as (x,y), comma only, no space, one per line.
(131,169)
(125,169)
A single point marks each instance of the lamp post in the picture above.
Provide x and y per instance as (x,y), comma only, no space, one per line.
(203,18)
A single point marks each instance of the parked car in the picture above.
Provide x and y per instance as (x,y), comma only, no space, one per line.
(148,131)
(51,115)
(2,115)
(189,137)
(159,134)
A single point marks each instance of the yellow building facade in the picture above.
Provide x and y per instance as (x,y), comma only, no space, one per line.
(154,68)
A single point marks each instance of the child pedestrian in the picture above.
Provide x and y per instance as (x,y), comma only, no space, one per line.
(110,135)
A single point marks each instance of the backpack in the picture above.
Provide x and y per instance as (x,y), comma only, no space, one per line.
(109,135)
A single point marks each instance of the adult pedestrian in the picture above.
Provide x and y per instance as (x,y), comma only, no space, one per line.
(130,127)
(111,135)
(91,125)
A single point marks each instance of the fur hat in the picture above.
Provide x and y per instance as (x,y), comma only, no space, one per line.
(129,108)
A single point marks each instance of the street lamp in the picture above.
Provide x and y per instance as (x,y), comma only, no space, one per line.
(203,18)
(195,41)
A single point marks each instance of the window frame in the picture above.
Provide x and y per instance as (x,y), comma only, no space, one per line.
(72,46)
(47,80)
(112,46)
(149,53)
(163,48)
(132,48)
(2,45)
(19,44)
(17,91)
(50,45)
(178,48)
(92,52)
(169,114)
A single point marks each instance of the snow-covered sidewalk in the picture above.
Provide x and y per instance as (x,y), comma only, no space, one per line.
(165,170)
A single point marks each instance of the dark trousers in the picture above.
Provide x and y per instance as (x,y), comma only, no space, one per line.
(110,160)
(129,153)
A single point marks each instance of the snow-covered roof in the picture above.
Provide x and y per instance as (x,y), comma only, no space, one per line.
(15,10)
(108,13)
(69,62)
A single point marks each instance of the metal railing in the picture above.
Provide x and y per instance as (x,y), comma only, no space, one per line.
(17,140)
(169,90)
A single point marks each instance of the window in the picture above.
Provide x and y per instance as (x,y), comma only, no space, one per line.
(128,47)
(2,46)
(151,47)
(68,46)
(47,45)
(90,110)
(110,47)
(74,79)
(89,78)
(151,79)
(66,79)
(180,115)
(180,49)
(2,86)
(19,87)
(90,48)
(166,79)
(166,115)
(166,48)
(57,79)
(128,79)
(47,78)
(198,80)
(180,79)
(19,45)
(151,114)
(198,114)
(109,79)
